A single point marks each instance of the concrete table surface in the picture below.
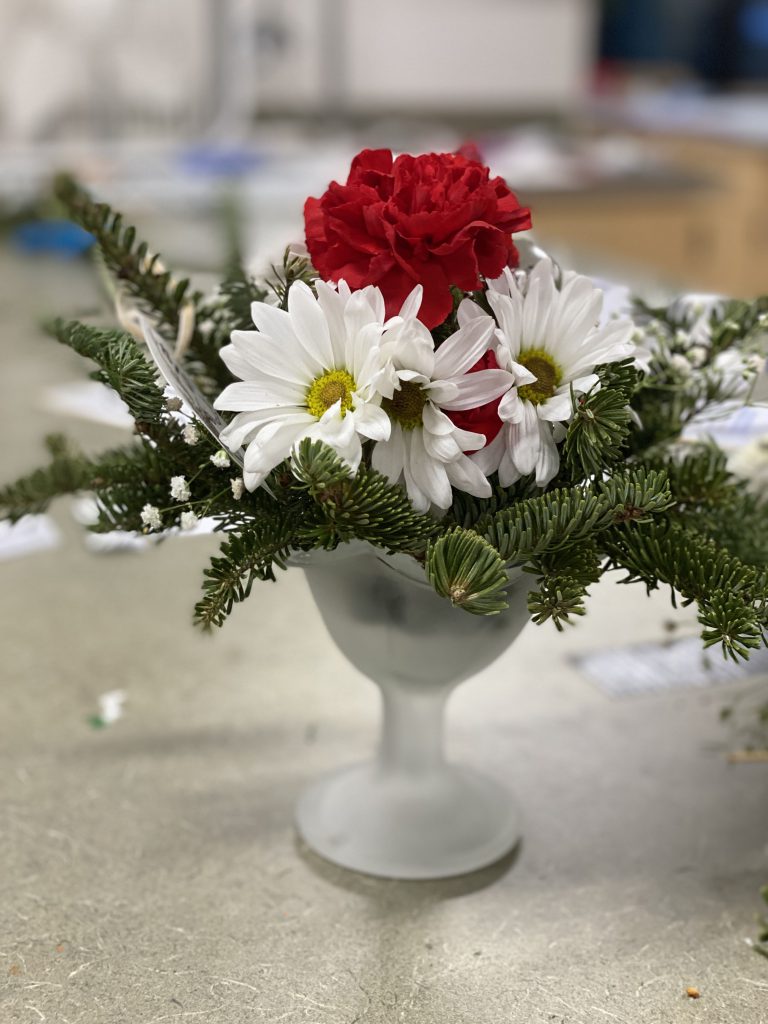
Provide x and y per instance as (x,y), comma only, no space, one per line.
(150,870)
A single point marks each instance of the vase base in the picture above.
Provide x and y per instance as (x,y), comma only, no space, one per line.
(448,822)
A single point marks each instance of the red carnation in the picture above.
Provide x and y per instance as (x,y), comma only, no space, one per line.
(436,220)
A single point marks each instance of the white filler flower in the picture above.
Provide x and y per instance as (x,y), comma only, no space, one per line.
(426,450)
(311,371)
(551,341)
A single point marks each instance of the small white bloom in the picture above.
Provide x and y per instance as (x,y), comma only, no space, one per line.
(180,488)
(550,340)
(150,516)
(697,355)
(220,460)
(312,371)
(188,520)
(679,363)
(425,449)
(751,464)
(693,307)
(238,487)
(191,434)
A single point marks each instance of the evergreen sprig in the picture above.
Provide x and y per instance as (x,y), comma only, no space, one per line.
(563,581)
(126,257)
(468,571)
(122,366)
(364,506)
(731,595)
(601,422)
(243,558)
(67,472)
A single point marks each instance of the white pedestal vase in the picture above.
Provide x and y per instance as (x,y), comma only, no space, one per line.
(408,813)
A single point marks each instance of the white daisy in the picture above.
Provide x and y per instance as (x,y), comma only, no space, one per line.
(551,341)
(311,371)
(426,450)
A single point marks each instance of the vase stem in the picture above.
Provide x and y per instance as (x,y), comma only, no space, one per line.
(412,729)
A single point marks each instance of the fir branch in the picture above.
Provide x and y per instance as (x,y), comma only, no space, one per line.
(128,259)
(637,494)
(467,570)
(600,426)
(243,558)
(68,471)
(122,366)
(731,596)
(564,580)
(294,268)
(365,506)
(551,522)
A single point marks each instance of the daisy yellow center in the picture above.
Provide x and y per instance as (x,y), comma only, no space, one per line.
(332,387)
(547,372)
(406,405)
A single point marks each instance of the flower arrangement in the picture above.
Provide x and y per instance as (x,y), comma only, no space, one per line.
(411,381)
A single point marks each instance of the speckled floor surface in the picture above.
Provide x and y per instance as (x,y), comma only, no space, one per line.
(149,871)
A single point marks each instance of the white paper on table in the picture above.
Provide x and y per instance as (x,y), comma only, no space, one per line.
(639,669)
(28,535)
(88,400)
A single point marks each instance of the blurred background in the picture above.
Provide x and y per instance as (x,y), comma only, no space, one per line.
(636,129)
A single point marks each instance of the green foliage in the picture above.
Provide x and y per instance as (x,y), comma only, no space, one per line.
(564,579)
(67,472)
(562,518)
(294,268)
(731,596)
(127,258)
(243,558)
(467,570)
(601,422)
(364,506)
(122,366)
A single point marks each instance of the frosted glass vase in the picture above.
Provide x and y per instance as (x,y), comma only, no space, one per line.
(408,813)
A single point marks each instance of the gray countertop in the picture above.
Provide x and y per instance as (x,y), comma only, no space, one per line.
(150,870)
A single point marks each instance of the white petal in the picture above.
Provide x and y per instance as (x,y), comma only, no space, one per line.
(419,499)
(548,462)
(288,362)
(508,310)
(476,389)
(362,355)
(468,310)
(511,407)
(411,306)
(442,391)
(462,350)
(310,326)
(271,445)
(388,456)
(468,440)
(274,322)
(467,476)
(442,447)
(488,458)
(556,408)
(436,422)
(239,430)
(332,305)
(539,304)
(525,439)
(428,474)
(371,421)
(250,396)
